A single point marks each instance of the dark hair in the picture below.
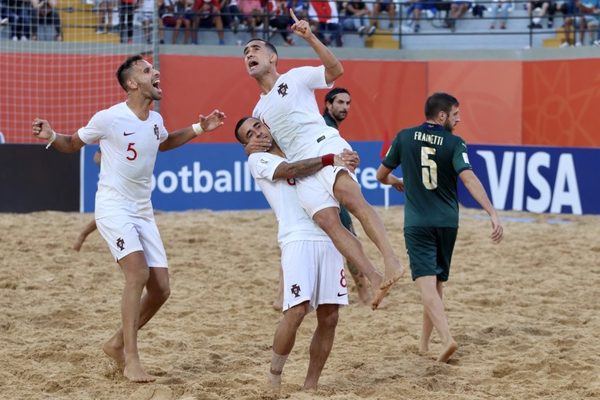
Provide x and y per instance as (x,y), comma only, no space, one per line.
(439,102)
(123,71)
(330,96)
(237,128)
(268,44)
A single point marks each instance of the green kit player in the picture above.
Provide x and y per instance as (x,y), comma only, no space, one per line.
(432,159)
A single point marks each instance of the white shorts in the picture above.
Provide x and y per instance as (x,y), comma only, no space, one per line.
(315,192)
(125,234)
(313,271)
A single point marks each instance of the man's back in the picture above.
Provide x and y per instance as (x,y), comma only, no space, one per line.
(431,159)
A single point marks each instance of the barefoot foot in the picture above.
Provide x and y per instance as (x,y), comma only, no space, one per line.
(78,243)
(450,348)
(115,352)
(135,373)
(393,271)
(273,382)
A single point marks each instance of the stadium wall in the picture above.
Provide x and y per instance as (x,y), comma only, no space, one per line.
(503,102)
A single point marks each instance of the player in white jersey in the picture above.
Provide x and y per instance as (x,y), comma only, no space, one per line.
(313,269)
(130,135)
(289,108)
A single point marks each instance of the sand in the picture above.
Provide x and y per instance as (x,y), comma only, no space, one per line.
(525,314)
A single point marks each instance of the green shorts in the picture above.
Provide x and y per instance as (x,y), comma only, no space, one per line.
(430,250)
(346,219)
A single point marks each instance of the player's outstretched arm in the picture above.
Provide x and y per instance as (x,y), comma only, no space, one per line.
(333,66)
(41,129)
(474,186)
(206,123)
(385,176)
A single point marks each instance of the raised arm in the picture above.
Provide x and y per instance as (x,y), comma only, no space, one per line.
(206,124)
(63,143)
(333,66)
(474,186)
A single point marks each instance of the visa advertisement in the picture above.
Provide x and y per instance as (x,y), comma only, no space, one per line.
(537,179)
(217,177)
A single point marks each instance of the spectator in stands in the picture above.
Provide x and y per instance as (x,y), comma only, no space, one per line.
(384,5)
(105,12)
(416,8)
(458,8)
(45,13)
(147,13)
(182,17)
(231,15)
(323,17)
(126,10)
(500,9)
(207,14)
(358,18)
(588,19)
(18,13)
(165,18)
(279,19)
(569,9)
(544,6)
(253,13)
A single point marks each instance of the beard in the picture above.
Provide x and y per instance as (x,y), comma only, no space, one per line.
(448,126)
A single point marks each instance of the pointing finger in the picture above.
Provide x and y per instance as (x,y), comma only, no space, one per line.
(293,15)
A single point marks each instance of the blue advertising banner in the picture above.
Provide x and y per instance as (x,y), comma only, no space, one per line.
(216,177)
(537,179)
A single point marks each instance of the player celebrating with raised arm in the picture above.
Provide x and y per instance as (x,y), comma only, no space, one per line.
(288,107)
(130,135)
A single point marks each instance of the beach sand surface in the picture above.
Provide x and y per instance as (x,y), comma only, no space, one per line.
(525,314)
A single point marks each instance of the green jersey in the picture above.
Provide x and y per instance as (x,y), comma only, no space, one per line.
(431,159)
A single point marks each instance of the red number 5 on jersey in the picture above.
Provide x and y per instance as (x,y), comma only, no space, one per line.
(131,150)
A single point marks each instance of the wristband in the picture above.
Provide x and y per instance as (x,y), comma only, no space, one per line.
(197,128)
(327,159)
(52,139)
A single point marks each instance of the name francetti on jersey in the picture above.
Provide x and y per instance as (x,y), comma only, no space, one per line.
(429,138)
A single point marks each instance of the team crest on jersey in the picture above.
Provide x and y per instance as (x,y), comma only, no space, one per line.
(291,181)
(156,132)
(121,244)
(295,290)
(282,89)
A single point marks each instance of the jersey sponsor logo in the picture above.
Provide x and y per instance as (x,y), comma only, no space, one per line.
(295,289)
(282,89)
(342,294)
(466,158)
(128,133)
(121,244)
(156,132)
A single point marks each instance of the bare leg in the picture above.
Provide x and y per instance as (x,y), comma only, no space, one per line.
(434,307)
(321,344)
(348,192)
(346,243)
(278,299)
(361,282)
(122,346)
(283,341)
(428,325)
(89,228)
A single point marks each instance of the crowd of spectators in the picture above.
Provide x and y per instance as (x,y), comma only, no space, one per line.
(329,19)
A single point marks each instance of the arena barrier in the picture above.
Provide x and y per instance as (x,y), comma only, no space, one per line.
(35,179)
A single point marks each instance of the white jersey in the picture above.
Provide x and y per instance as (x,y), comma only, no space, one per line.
(291,112)
(294,223)
(129,146)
